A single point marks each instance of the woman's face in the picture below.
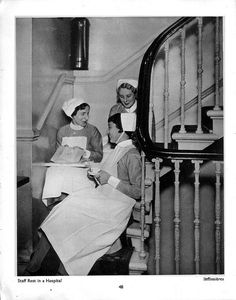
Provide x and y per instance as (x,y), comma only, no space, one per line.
(127,97)
(113,132)
(81,117)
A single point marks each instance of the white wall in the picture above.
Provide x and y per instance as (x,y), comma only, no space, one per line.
(51,58)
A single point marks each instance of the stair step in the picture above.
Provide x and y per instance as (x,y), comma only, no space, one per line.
(217,117)
(138,265)
(134,230)
(148,217)
(138,205)
(194,141)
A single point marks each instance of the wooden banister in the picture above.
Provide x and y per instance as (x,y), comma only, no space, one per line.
(151,148)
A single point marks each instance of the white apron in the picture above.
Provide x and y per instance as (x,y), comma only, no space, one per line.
(86,223)
(65,179)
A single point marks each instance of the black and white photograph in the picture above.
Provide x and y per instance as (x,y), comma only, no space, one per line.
(119,156)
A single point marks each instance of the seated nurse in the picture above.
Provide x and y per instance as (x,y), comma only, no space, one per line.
(79,134)
(88,223)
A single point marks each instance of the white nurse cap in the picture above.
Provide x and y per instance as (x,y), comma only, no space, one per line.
(130,81)
(70,105)
(128,121)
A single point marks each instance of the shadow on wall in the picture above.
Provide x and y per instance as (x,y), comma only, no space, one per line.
(45,146)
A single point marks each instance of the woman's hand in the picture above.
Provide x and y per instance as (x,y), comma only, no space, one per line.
(81,150)
(103,177)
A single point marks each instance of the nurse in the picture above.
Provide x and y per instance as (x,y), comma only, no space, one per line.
(79,132)
(79,138)
(125,157)
(88,223)
(126,97)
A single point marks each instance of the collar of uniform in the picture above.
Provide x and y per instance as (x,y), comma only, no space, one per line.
(132,108)
(125,143)
(75,127)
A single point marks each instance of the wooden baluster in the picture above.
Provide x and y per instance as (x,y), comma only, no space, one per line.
(152,117)
(152,126)
(157,218)
(142,253)
(217,216)
(182,82)
(199,76)
(217,64)
(197,215)
(177,215)
(166,96)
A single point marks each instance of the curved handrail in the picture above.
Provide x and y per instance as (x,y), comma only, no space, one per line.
(151,148)
(184,154)
(52,99)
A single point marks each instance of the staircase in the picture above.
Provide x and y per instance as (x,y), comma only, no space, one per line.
(179,126)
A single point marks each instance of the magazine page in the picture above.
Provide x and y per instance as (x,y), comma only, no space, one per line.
(137,211)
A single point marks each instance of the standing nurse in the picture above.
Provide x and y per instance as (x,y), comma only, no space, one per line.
(126,97)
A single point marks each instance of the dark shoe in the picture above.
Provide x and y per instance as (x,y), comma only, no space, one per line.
(116,263)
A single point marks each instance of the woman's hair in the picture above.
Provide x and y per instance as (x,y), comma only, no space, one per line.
(80,107)
(116,119)
(126,86)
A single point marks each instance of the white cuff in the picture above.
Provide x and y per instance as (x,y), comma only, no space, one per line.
(113,181)
(86,154)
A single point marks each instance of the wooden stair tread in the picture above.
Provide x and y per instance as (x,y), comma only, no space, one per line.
(135,230)
(138,264)
(195,136)
(138,204)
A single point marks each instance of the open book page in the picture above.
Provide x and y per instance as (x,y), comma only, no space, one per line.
(65,154)
(75,141)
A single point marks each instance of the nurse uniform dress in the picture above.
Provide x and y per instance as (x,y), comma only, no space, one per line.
(66,180)
(119,108)
(85,224)
(92,142)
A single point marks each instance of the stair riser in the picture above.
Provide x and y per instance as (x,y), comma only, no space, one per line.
(148,218)
(218,127)
(193,145)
